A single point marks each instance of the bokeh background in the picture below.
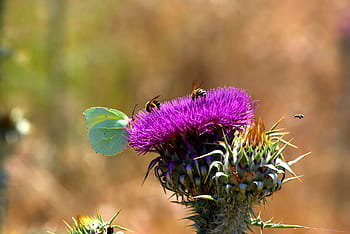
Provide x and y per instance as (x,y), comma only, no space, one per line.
(59,57)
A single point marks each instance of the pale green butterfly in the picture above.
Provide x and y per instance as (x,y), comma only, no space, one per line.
(106,130)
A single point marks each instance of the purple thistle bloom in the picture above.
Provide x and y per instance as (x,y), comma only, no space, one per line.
(212,154)
(199,167)
(227,108)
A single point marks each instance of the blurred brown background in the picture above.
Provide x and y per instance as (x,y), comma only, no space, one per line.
(65,56)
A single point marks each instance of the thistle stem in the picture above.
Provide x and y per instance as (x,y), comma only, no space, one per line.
(220,217)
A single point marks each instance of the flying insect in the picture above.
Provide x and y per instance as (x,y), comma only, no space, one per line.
(299,116)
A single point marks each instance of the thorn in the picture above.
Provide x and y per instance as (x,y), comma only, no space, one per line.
(298,159)
(276,124)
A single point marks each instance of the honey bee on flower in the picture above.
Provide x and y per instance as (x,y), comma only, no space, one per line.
(197,91)
(153,103)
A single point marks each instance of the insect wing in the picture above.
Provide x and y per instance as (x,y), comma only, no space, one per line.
(95,115)
(194,85)
(109,137)
(106,131)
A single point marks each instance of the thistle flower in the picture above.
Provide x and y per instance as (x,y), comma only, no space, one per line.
(94,225)
(213,155)
(223,108)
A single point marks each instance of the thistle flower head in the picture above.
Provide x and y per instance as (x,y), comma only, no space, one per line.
(214,155)
(94,225)
(227,108)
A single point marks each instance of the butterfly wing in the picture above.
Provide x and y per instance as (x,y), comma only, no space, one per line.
(106,130)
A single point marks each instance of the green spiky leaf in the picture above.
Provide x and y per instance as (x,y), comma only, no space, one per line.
(298,159)
(272,167)
(284,165)
(268,224)
(214,152)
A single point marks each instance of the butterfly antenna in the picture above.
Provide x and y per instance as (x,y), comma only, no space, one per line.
(133,112)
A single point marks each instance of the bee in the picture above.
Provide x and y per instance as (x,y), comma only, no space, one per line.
(197,91)
(299,116)
(153,103)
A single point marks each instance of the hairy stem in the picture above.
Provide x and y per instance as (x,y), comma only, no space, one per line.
(220,217)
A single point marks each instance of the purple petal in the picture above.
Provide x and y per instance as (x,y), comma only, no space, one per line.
(228,108)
